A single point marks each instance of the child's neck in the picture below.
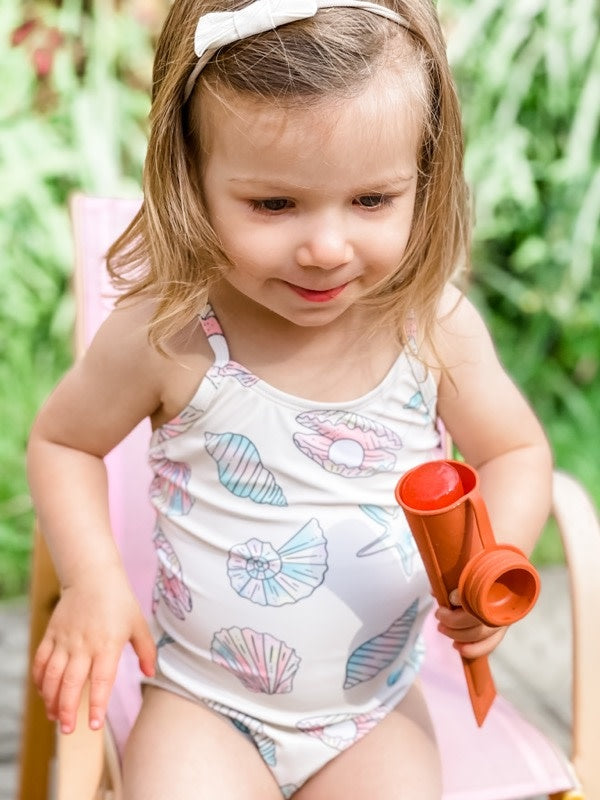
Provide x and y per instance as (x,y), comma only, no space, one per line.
(338,362)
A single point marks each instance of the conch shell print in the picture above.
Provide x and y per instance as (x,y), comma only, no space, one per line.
(250,727)
(341,730)
(348,444)
(272,577)
(261,662)
(168,489)
(169,579)
(240,469)
(413,661)
(379,652)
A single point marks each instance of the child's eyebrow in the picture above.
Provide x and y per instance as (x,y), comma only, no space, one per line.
(382,182)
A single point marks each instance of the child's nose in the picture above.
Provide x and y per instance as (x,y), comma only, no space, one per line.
(325,245)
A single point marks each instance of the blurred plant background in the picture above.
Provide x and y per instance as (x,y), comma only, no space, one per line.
(75,79)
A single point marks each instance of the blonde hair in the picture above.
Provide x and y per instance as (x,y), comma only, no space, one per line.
(170,250)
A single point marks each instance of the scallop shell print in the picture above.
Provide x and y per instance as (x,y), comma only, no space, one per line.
(377,653)
(342,730)
(348,444)
(241,470)
(260,661)
(396,535)
(234,370)
(250,727)
(272,577)
(169,579)
(168,489)
(179,424)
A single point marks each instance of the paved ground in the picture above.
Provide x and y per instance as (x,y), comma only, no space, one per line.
(543,695)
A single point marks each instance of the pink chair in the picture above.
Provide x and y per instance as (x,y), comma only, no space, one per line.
(506,759)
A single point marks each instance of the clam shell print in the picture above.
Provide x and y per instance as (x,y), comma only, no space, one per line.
(348,444)
(241,470)
(396,535)
(168,489)
(342,730)
(379,652)
(260,661)
(272,577)
(250,727)
(169,583)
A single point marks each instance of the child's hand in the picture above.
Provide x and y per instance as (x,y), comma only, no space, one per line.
(471,637)
(91,624)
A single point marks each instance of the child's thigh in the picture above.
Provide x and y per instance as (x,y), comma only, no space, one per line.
(397,760)
(181,750)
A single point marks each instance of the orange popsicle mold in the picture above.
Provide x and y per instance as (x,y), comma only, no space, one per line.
(451,526)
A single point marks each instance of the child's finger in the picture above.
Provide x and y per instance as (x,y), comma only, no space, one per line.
(473,633)
(455,618)
(145,648)
(51,680)
(483,647)
(40,661)
(74,678)
(102,678)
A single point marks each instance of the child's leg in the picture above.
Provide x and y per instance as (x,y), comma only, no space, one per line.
(398,759)
(181,750)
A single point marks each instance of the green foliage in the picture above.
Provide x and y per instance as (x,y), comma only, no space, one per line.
(73,116)
(528,73)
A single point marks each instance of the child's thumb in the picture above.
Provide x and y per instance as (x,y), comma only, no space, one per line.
(144,646)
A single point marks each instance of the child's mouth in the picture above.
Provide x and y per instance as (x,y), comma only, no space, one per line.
(315,296)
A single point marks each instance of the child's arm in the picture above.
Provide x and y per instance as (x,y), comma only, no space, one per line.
(498,434)
(99,401)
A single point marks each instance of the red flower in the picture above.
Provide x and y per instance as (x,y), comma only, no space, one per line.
(23,31)
(41,41)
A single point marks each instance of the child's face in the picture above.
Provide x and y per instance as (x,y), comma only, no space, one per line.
(313,207)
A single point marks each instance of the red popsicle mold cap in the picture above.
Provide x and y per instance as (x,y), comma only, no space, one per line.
(433,485)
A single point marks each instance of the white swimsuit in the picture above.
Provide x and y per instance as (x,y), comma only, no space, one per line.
(290,595)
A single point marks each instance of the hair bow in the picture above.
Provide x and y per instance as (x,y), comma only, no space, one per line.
(219,28)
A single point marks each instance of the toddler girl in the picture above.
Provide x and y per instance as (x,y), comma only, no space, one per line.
(290,327)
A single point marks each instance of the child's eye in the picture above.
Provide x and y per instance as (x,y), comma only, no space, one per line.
(373,200)
(271,204)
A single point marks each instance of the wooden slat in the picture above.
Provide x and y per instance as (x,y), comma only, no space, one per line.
(37,740)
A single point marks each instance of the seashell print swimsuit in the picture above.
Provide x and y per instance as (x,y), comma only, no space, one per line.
(290,595)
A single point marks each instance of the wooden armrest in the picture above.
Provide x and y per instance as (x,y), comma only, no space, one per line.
(87,764)
(37,736)
(580,531)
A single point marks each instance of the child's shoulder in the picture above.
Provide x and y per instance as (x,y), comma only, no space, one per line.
(123,348)
(459,327)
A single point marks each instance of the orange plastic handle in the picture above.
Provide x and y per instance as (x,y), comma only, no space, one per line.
(451,527)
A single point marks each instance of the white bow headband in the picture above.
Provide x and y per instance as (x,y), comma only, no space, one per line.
(219,28)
